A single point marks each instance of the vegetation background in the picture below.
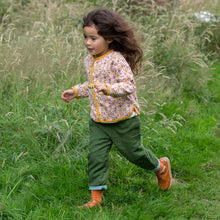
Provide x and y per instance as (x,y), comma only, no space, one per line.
(43,141)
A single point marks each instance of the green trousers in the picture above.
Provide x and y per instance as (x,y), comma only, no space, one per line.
(126,136)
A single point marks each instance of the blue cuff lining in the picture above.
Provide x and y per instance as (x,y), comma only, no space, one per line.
(157,168)
(97,187)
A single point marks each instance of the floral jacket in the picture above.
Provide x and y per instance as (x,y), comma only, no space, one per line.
(121,100)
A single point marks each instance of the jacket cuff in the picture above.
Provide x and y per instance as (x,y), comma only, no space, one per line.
(108,89)
(75,92)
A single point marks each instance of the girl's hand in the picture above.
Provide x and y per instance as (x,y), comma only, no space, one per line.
(68,95)
(101,87)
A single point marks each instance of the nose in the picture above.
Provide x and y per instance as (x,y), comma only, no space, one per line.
(87,42)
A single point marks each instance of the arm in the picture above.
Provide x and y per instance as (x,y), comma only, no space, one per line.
(78,91)
(68,95)
(125,83)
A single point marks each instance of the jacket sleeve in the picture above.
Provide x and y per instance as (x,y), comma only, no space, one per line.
(125,83)
(81,90)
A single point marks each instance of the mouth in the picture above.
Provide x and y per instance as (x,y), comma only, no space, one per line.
(90,49)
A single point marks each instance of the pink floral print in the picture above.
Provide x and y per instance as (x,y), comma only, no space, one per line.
(121,100)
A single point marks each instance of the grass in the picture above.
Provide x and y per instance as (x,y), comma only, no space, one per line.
(44,142)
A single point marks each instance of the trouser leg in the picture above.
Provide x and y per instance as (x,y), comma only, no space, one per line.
(127,139)
(98,158)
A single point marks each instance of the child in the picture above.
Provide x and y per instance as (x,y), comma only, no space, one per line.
(114,56)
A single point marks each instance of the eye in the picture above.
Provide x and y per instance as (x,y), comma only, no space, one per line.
(93,38)
(84,36)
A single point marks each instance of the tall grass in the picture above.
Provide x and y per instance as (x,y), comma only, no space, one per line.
(43,141)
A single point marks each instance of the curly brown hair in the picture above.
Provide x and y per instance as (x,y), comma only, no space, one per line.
(111,26)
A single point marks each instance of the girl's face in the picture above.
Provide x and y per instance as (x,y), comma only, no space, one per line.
(95,43)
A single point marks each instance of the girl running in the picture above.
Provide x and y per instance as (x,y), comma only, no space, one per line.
(114,58)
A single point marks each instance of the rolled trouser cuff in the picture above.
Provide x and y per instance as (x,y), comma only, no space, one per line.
(97,187)
(157,168)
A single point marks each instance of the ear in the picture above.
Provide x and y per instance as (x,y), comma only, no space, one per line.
(109,41)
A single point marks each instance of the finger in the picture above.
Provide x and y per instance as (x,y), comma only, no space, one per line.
(97,88)
(63,94)
(64,98)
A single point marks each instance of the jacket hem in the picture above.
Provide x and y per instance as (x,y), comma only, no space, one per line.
(118,119)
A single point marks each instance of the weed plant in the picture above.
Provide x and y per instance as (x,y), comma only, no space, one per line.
(44,141)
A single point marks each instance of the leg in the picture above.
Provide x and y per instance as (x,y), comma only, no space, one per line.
(98,164)
(128,142)
(98,158)
(127,139)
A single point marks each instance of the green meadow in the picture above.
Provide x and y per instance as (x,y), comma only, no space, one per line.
(44,141)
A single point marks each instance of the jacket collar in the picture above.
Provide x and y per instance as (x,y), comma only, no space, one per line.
(94,59)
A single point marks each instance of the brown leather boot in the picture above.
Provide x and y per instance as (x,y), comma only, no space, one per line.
(164,174)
